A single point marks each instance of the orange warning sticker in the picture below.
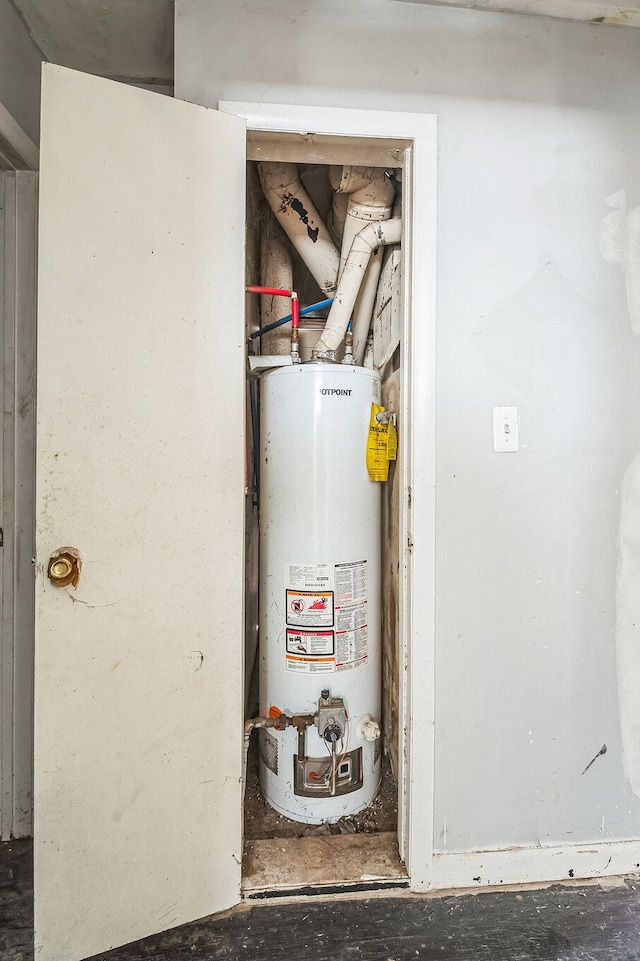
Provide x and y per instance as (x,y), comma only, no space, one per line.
(309,608)
(301,664)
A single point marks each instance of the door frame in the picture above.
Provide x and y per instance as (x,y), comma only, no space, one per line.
(17,150)
(417,446)
(18,187)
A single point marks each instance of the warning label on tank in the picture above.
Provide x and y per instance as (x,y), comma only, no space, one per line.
(352,618)
(310,652)
(323,596)
(310,642)
(351,582)
(310,608)
(352,646)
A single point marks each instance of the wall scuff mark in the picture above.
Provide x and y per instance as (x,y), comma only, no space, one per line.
(620,244)
(603,750)
(628,623)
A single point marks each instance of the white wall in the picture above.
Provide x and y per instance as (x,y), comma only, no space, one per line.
(538,124)
(20,62)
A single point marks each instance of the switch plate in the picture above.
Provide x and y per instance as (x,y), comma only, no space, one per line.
(506,430)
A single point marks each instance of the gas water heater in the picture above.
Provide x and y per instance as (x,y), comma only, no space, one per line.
(320,658)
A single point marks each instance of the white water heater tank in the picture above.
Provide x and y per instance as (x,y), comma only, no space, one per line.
(319,590)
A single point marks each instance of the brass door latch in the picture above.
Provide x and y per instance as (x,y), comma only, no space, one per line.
(64,568)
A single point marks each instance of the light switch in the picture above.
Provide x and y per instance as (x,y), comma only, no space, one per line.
(506,433)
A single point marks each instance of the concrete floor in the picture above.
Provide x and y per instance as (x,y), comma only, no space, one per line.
(577,922)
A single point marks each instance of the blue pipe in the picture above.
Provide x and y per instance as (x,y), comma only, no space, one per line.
(285,320)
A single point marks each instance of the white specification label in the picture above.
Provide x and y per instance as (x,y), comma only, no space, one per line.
(351,582)
(305,577)
(326,596)
(351,648)
(351,618)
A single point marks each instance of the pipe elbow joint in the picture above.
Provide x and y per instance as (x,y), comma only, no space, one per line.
(365,185)
(279,177)
(377,234)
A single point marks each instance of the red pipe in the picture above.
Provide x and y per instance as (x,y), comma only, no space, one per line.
(274,291)
(280,292)
(295,317)
(295,312)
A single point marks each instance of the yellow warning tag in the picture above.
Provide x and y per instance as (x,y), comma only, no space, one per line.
(377,460)
(392,438)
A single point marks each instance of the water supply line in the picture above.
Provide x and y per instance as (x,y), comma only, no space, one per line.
(295,314)
(348,345)
(285,320)
(365,244)
(302,223)
(278,723)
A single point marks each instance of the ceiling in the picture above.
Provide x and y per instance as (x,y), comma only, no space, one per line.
(592,11)
(133,39)
(122,39)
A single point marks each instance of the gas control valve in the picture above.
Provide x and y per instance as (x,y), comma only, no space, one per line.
(332,718)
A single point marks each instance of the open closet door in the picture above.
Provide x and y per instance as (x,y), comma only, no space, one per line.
(140,469)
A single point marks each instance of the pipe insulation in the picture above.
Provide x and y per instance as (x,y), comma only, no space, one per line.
(275,271)
(365,245)
(300,220)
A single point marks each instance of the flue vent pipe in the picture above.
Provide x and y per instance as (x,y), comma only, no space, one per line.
(365,244)
(371,196)
(302,223)
(337,217)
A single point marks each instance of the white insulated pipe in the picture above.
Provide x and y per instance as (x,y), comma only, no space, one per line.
(367,360)
(300,220)
(371,198)
(365,302)
(337,217)
(275,271)
(364,246)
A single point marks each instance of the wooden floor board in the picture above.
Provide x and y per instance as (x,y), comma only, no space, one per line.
(314,862)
